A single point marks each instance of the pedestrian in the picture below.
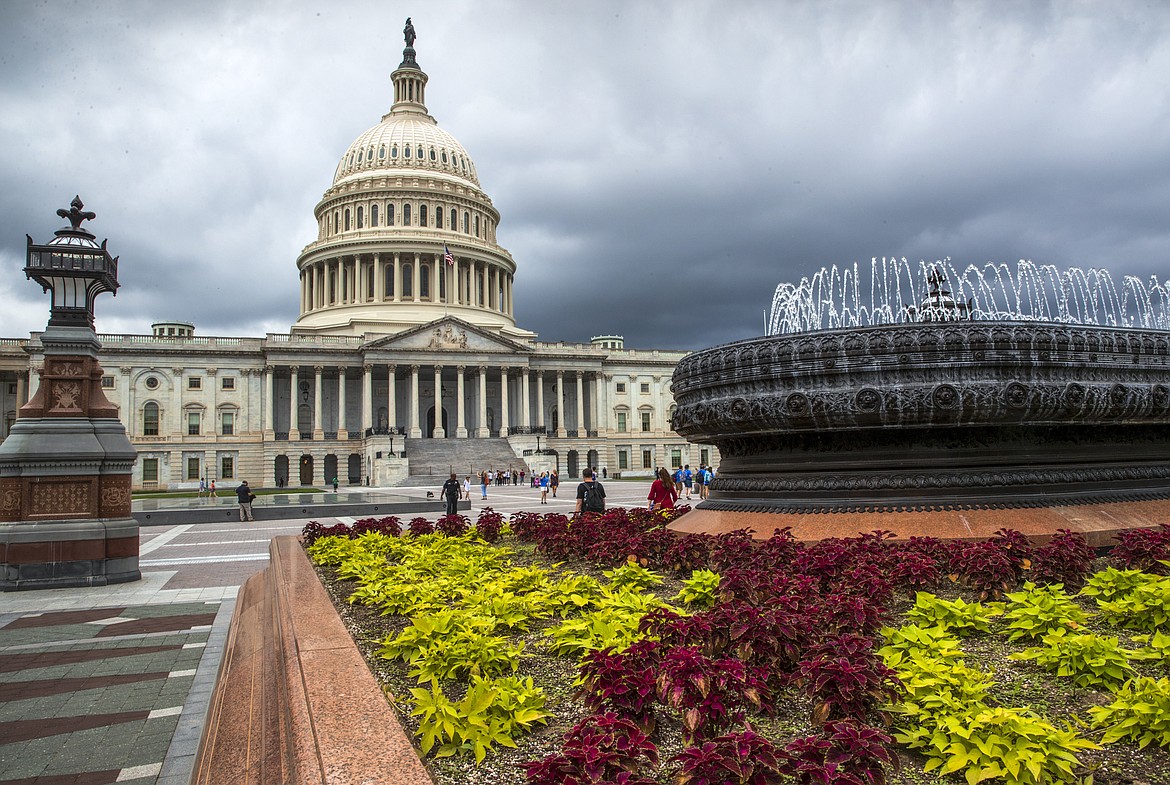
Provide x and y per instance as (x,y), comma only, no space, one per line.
(245,497)
(211,493)
(467,487)
(688,478)
(662,492)
(590,494)
(483,484)
(202,487)
(450,491)
(335,485)
(553,481)
(544,488)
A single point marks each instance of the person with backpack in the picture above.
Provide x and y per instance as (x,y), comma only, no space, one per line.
(590,494)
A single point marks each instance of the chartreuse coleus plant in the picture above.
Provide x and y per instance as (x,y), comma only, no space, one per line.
(1090,660)
(1140,712)
(1146,606)
(1036,611)
(452,644)
(947,719)
(1111,583)
(1156,648)
(632,575)
(611,624)
(492,712)
(1015,745)
(961,618)
(701,590)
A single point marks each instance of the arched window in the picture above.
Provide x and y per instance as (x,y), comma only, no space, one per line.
(479,289)
(432,153)
(373,215)
(390,213)
(444,156)
(454,220)
(407,284)
(406,152)
(336,221)
(150,419)
(466,222)
(439,217)
(361,219)
(476,224)
(382,152)
(424,281)
(406,215)
(394,151)
(347,219)
(422,215)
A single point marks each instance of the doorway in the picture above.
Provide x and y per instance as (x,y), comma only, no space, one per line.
(306,470)
(430,431)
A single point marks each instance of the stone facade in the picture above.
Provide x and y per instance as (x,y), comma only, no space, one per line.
(406,331)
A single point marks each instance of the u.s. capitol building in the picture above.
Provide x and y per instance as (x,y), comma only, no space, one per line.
(404,361)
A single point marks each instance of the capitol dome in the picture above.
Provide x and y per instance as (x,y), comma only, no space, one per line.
(405,233)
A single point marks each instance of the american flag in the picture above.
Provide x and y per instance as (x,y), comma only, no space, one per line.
(447,257)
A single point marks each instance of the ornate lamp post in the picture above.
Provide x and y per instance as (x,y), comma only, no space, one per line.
(65,469)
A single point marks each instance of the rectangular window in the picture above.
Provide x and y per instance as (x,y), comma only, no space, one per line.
(193,469)
(621,387)
(228,421)
(150,469)
(645,388)
(676,459)
(647,459)
(194,382)
(645,421)
(623,459)
(108,382)
(228,383)
(705,457)
(192,423)
(621,418)
(227,467)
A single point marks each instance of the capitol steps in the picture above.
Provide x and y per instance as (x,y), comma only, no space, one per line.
(433,460)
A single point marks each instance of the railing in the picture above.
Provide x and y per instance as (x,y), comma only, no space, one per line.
(182,340)
(571,433)
(592,434)
(330,436)
(306,436)
(280,436)
(385,431)
(315,340)
(17,342)
(527,429)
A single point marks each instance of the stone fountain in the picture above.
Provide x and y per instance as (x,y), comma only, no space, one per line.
(933,400)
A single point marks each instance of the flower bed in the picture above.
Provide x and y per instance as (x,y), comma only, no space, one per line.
(604,649)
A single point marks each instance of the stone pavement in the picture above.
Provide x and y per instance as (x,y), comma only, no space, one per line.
(112,684)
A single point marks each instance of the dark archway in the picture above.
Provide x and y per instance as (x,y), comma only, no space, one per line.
(430,431)
(306,470)
(571,458)
(591,459)
(355,468)
(280,471)
(330,468)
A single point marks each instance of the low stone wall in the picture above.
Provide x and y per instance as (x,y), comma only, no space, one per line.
(295,701)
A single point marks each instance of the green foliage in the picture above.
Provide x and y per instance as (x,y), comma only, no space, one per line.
(1145,607)
(957,616)
(913,642)
(572,593)
(1036,611)
(592,632)
(1140,712)
(1111,583)
(1156,649)
(494,711)
(452,644)
(700,590)
(632,575)
(1089,660)
(1013,744)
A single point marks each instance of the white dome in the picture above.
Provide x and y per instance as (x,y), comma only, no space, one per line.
(406,144)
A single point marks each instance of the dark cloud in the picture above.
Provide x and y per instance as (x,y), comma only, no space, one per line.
(660,167)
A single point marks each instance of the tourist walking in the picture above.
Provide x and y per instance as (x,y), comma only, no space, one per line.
(245,497)
(202,487)
(544,488)
(662,493)
(467,487)
(450,491)
(590,494)
(553,481)
(483,484)
(211,491)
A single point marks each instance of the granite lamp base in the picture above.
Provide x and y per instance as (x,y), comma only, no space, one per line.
(68,553)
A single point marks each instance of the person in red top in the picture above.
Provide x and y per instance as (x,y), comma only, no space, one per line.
(662,493)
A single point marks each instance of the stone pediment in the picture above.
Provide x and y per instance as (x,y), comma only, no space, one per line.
(446,335)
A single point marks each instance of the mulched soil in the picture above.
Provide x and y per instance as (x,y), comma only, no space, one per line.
(1018,684)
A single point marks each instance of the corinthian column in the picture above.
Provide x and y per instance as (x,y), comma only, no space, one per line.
(367,397)
(412,417)
(294,425)
(318,433)
(483,432)
(268,410)
(504,402)
(525,400)
(392,398)
(540,400)
(460,423)
(439,433)
(342,432)
(561,405)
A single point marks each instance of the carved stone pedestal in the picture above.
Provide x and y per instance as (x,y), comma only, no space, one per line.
(65,478)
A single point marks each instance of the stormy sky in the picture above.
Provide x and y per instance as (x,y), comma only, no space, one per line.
(659,166)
